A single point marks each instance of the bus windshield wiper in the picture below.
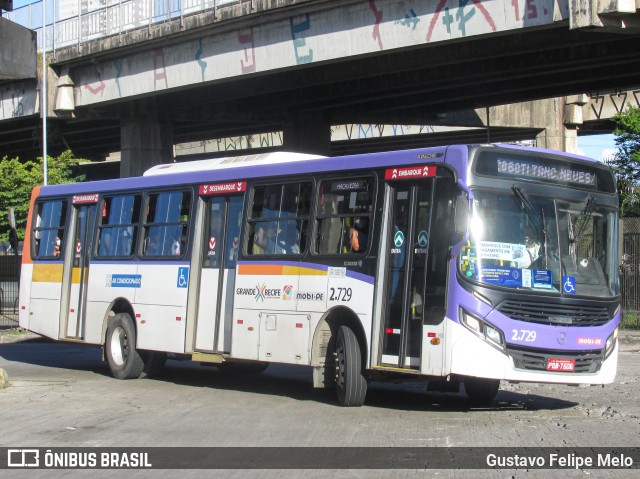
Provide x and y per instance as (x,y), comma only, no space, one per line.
(579,229)
(537,218)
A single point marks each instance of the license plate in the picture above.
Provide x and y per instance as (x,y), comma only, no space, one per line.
(562,365)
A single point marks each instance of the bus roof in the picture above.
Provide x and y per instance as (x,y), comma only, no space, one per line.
(230,162)
(266,165)
(221,170)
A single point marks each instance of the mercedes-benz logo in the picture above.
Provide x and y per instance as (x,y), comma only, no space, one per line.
(562,338)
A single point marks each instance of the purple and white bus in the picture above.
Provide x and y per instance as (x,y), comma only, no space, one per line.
(455,265)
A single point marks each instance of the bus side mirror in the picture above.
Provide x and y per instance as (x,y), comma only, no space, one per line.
(462,214)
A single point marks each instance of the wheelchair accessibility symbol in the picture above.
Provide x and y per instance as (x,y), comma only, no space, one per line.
(183,277)
(569,284)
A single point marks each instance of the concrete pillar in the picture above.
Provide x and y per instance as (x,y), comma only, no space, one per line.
(146,140)
(550,113)
(307,132)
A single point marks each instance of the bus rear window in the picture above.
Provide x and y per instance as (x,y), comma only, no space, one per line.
(48,231)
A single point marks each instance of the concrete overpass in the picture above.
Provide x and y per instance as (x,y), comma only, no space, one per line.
(301,66)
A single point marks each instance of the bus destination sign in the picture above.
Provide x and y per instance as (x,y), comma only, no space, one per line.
(85,199)
(554,173)
(223,188)
(409,172)
(546,168)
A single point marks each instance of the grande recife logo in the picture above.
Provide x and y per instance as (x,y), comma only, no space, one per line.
(262,292)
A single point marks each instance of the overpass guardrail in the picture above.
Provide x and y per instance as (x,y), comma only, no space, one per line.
(93,19)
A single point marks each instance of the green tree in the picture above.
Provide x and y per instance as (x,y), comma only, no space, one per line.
(626,162)
(17,180)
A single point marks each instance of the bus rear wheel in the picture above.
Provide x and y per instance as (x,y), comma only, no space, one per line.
(350,383)
(481,391)
(124,361)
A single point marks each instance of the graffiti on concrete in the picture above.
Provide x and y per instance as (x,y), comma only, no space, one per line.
(201,63)
(248,63)
(603,106)
(300,42)
(376,27)
(357,28)
(159,68)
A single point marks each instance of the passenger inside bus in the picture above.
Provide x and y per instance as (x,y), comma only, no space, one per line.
(263,242)
(359,234)
(533,248)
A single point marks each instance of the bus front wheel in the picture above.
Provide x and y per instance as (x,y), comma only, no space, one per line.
(481,391)
(124,361)
(350,383)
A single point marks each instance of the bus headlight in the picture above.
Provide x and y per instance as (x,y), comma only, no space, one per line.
(492,334)
(611,343)
(483,329)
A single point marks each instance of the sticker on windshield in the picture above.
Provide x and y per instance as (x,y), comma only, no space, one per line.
(542,278)
(515,277)
(569,284)
(501,276)
(500,251)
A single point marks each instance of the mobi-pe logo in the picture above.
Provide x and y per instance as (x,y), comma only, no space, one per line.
(23,458)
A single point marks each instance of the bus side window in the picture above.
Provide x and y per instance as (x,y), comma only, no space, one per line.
(49,230)
(165,224)
(279,219)
(119,225)
(344,214)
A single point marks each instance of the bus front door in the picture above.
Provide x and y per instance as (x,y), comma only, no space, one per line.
(406,259)
(223,218)
(77,256)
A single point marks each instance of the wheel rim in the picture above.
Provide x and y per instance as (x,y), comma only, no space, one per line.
(119,346)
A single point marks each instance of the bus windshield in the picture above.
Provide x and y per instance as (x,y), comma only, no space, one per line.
(541,244)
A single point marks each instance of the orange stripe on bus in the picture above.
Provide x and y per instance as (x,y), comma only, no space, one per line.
(26,247)
(261,269)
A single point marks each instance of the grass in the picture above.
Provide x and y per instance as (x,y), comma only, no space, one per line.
(630,320)
(12,331)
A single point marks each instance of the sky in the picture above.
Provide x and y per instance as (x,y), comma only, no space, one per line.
(597,146)
(21,3)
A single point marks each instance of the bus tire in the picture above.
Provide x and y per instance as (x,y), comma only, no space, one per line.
(154,362)
(481,391)
(120,345)
(350,383)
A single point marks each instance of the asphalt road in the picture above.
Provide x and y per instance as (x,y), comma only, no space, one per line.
(61,395)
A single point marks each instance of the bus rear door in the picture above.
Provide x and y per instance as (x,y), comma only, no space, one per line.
(76,271)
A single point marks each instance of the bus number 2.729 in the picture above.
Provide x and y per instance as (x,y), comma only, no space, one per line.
(340,294)
(526,335)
